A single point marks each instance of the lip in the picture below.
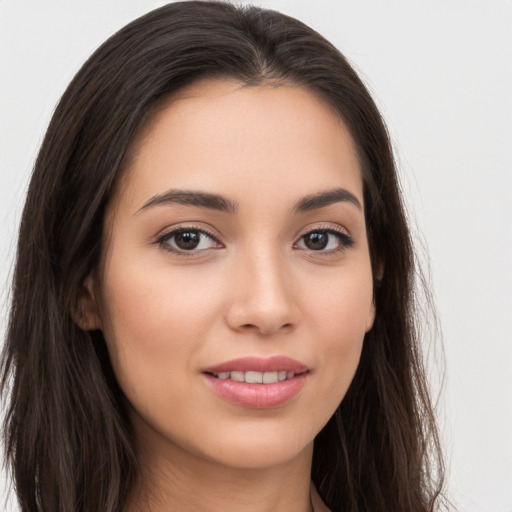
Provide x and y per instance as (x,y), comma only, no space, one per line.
(257,396)
(258,364)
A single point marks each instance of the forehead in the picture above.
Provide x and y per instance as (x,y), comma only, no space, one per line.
(233,138)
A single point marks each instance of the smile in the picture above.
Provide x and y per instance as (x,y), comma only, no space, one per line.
(252,377)
(257,383)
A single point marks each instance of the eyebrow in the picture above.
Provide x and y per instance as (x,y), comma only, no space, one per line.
(326,198)
(192,198)
(220,203)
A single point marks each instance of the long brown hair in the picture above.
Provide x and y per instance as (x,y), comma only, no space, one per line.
(68,437)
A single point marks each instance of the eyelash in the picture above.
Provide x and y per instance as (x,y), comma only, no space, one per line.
(345,241)
(164,239)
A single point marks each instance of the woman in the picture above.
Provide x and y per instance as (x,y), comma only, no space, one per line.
(213,297)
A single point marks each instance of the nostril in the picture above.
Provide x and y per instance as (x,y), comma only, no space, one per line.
(261,316)
(268,329)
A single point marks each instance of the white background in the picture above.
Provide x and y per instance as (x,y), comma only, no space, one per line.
(441,72)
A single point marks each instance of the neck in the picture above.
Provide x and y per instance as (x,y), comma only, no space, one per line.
(172,478)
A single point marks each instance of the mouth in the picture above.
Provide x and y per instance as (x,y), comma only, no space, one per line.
(254,377)
(257,383)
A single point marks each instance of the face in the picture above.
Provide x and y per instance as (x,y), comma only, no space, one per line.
(236,287)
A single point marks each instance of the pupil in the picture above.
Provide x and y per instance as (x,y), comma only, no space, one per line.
(316,241)
(187,240)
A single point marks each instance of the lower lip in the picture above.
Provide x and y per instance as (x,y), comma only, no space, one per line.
(257,396)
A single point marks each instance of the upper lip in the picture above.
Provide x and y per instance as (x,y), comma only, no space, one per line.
(258,364)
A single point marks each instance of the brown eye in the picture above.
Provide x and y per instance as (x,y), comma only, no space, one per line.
(316,241)
(187,240)
(326,240)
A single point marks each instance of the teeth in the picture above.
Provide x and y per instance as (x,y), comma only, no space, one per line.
(270,377)
(256,377)
(238,376)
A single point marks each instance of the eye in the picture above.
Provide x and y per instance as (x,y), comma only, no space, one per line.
(326,240)
(183,240)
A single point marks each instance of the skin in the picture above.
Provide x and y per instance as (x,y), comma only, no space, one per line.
(254,289)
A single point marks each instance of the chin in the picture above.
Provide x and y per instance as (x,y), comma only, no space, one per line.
(242,443)
(257,454)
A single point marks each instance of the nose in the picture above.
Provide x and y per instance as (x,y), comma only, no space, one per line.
(263,298)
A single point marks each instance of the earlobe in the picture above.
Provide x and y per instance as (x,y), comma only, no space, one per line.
(86,311)
(378,275)
(371,317)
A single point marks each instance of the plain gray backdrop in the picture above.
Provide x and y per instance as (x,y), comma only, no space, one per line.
(441,72)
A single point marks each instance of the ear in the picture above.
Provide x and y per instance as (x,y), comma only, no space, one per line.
(379,273)
(371,317)
(86,311)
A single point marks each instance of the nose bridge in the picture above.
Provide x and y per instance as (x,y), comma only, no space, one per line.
(263,298)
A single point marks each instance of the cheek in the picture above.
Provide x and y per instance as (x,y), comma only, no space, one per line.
(342,303)
(154,320)
(145,299)
(339,318)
